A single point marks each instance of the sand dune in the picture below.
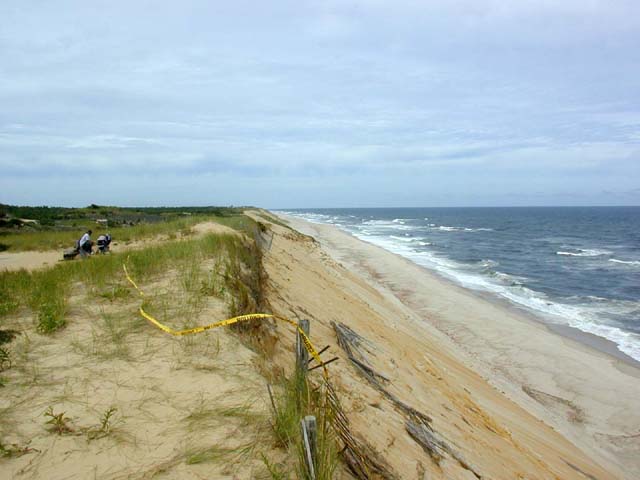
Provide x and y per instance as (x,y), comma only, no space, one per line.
(515,399)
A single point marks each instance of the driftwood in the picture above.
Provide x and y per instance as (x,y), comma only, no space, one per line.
(351,343)
(427,439)
(418,424)
(435,446)
(363,461)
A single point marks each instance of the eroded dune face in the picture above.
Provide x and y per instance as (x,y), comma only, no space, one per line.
(404,365)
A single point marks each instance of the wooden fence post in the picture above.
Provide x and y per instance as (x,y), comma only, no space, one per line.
(310,442)
(302,356)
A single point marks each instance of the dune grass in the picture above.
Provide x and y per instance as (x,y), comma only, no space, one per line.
(55,239)
(228,267)
(293,401)
(46,292)
(172,228)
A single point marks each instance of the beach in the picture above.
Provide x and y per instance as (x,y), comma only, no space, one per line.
(430,380)
(583,393)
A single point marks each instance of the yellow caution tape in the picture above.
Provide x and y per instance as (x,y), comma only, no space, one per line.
(126,272)
(229,321)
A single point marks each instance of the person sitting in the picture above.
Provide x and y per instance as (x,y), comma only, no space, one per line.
(103,243)
(85,245)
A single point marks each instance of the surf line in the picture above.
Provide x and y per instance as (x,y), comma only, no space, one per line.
(229,321)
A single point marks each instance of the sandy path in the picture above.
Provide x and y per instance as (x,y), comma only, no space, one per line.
(590,397)
(29,260)
(34,260)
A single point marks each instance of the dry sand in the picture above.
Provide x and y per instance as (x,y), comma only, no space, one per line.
(171,393)
(423,322)
(187,407)
(29,260)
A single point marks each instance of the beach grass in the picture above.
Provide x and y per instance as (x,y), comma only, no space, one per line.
(65,235)
(294,399)
(179,277)
(46,292)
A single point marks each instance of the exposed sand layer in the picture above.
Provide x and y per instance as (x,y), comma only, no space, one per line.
(426,328)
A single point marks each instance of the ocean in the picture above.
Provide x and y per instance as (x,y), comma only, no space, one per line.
(575,266)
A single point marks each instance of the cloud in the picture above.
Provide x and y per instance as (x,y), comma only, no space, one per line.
(284,91)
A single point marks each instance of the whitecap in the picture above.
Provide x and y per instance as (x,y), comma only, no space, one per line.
(634,263)
(587,252)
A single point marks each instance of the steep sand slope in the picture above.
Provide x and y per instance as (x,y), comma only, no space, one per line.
(590,397)
(495,437)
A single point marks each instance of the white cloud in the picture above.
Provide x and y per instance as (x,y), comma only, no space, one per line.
(322,89)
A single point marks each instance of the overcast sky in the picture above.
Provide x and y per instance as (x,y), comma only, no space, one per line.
(320,104)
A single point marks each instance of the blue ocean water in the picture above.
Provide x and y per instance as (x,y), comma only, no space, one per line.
(578,266)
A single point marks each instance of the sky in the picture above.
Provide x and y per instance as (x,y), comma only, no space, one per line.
(285,104)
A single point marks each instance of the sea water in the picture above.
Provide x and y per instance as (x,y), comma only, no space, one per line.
(577,266)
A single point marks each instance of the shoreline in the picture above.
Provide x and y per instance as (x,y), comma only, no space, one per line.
(557,373)
(587,339)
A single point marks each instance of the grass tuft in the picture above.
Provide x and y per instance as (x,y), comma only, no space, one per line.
(216,453)
(51,316)
(105,427)
(294,402)
(57,421)
(277,471)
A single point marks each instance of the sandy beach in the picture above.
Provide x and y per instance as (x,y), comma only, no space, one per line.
(586,395)
(495,394)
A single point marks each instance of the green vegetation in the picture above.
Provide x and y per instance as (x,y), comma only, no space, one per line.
(272,219)
(217,453)
(294,401)
(46,292)
(115,215)
(57,422)
(57,227)
(181,276)
(105,426)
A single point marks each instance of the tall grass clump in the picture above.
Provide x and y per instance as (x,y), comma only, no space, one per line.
(49,299)
(14,288)
(295,400)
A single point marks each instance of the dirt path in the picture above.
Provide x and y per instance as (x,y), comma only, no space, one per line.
(33,260)
(29,260)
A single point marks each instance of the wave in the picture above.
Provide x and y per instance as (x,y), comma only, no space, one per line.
(634,263)
(403,239)
(444,228)
(582,316)
(595,315)
(488,263)
(585,253)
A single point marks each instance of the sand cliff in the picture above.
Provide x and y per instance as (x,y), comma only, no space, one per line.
(501,428)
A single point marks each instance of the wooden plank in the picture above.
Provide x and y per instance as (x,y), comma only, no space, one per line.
(309,443)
